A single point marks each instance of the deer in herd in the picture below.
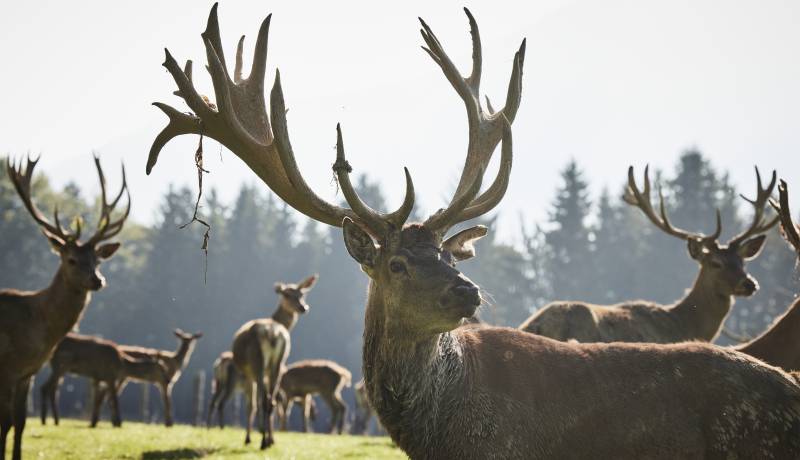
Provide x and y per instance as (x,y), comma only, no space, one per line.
(699,315)
(304,379)
(774,345)
(445,391)
(363,410)
(260,349)
(227,380)
(34,322)
(173,361)
(99,360)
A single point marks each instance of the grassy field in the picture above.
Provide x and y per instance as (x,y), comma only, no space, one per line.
(74,440)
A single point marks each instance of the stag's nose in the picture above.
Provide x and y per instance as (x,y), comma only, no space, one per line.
(746,287)
(97,282)
(466,292)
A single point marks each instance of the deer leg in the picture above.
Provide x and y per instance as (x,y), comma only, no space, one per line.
(269,400)
(212,405)
(116,419)
(166,393)
(223,399)
(251,410)
(6,417)
(266,414)
(44,393)
(308,406)
(20,415)
(97,403)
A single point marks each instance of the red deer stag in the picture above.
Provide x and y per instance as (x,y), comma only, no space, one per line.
(304,379)
(34,322)
(444,391)
(173,361)
(260,348)
(699,315)
(102,362)
(774,345)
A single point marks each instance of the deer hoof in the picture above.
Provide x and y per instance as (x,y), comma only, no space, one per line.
(265,443)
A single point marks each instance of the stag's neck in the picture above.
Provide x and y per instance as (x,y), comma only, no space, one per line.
(703,310)
(284,317)
(409,380)
(61,305)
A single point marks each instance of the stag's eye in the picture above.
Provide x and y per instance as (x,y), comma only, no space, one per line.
(397,267)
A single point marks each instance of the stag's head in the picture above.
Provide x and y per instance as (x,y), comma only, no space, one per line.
(79,260)
(722,264)
(411,266)
(293,296)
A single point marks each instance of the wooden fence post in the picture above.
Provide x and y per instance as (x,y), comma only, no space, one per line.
(145,409)
(198,397)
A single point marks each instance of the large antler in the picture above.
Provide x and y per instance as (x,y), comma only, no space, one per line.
(790,230)
(22,183)
(486,129)
(759,224)
(108,228)
(641,199)
(240,122)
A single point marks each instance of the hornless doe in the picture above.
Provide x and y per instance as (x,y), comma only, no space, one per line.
(775,345)
(260,349)
(444,391)
(699,315)
(34,322)
(101,361)
(173,361)
(227,380)
(304,379)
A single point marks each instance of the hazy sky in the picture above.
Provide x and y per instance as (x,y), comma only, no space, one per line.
(609,83)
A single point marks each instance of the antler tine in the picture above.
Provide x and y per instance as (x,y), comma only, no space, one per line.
(107,227)
(789,230)
(758,225)
(486,128)
(378,223)
(22,184)
(641,199)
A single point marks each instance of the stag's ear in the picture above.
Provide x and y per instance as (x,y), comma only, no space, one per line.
(279,288)
(697,249)
(197,335)
(307,283)
(178,333)
(461,245)
(359,244)
(752,247)
(107,250)
(56,243)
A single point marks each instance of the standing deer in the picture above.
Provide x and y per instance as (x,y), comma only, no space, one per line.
(32,323)
(699,315)
(260,348)
(774,346)
(444,391)
(304,379)
(227,380)
(102,362)
(173,361)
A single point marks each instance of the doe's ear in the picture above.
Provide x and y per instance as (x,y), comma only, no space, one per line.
(107,250)
(359,244)
(308,283)
(752,247)
(697,249)
(462,244)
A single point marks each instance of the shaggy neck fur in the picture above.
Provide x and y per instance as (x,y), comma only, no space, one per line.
(284,317)
(703,310)
(410,380)
(61,305)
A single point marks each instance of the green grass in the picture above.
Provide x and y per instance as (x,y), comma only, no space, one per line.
(73,439)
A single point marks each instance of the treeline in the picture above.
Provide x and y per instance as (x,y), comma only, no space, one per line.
(600,250)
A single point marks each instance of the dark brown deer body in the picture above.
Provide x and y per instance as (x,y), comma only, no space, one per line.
(697,316)
(173,362)
(444,391)
(32,323)
(260,349)
(310,377)
(775,345)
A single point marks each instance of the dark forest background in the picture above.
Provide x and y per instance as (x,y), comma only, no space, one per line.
(596,249)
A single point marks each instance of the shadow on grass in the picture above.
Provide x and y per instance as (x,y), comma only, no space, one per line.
(175,454)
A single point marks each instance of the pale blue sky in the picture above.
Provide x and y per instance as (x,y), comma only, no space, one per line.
(609,83)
